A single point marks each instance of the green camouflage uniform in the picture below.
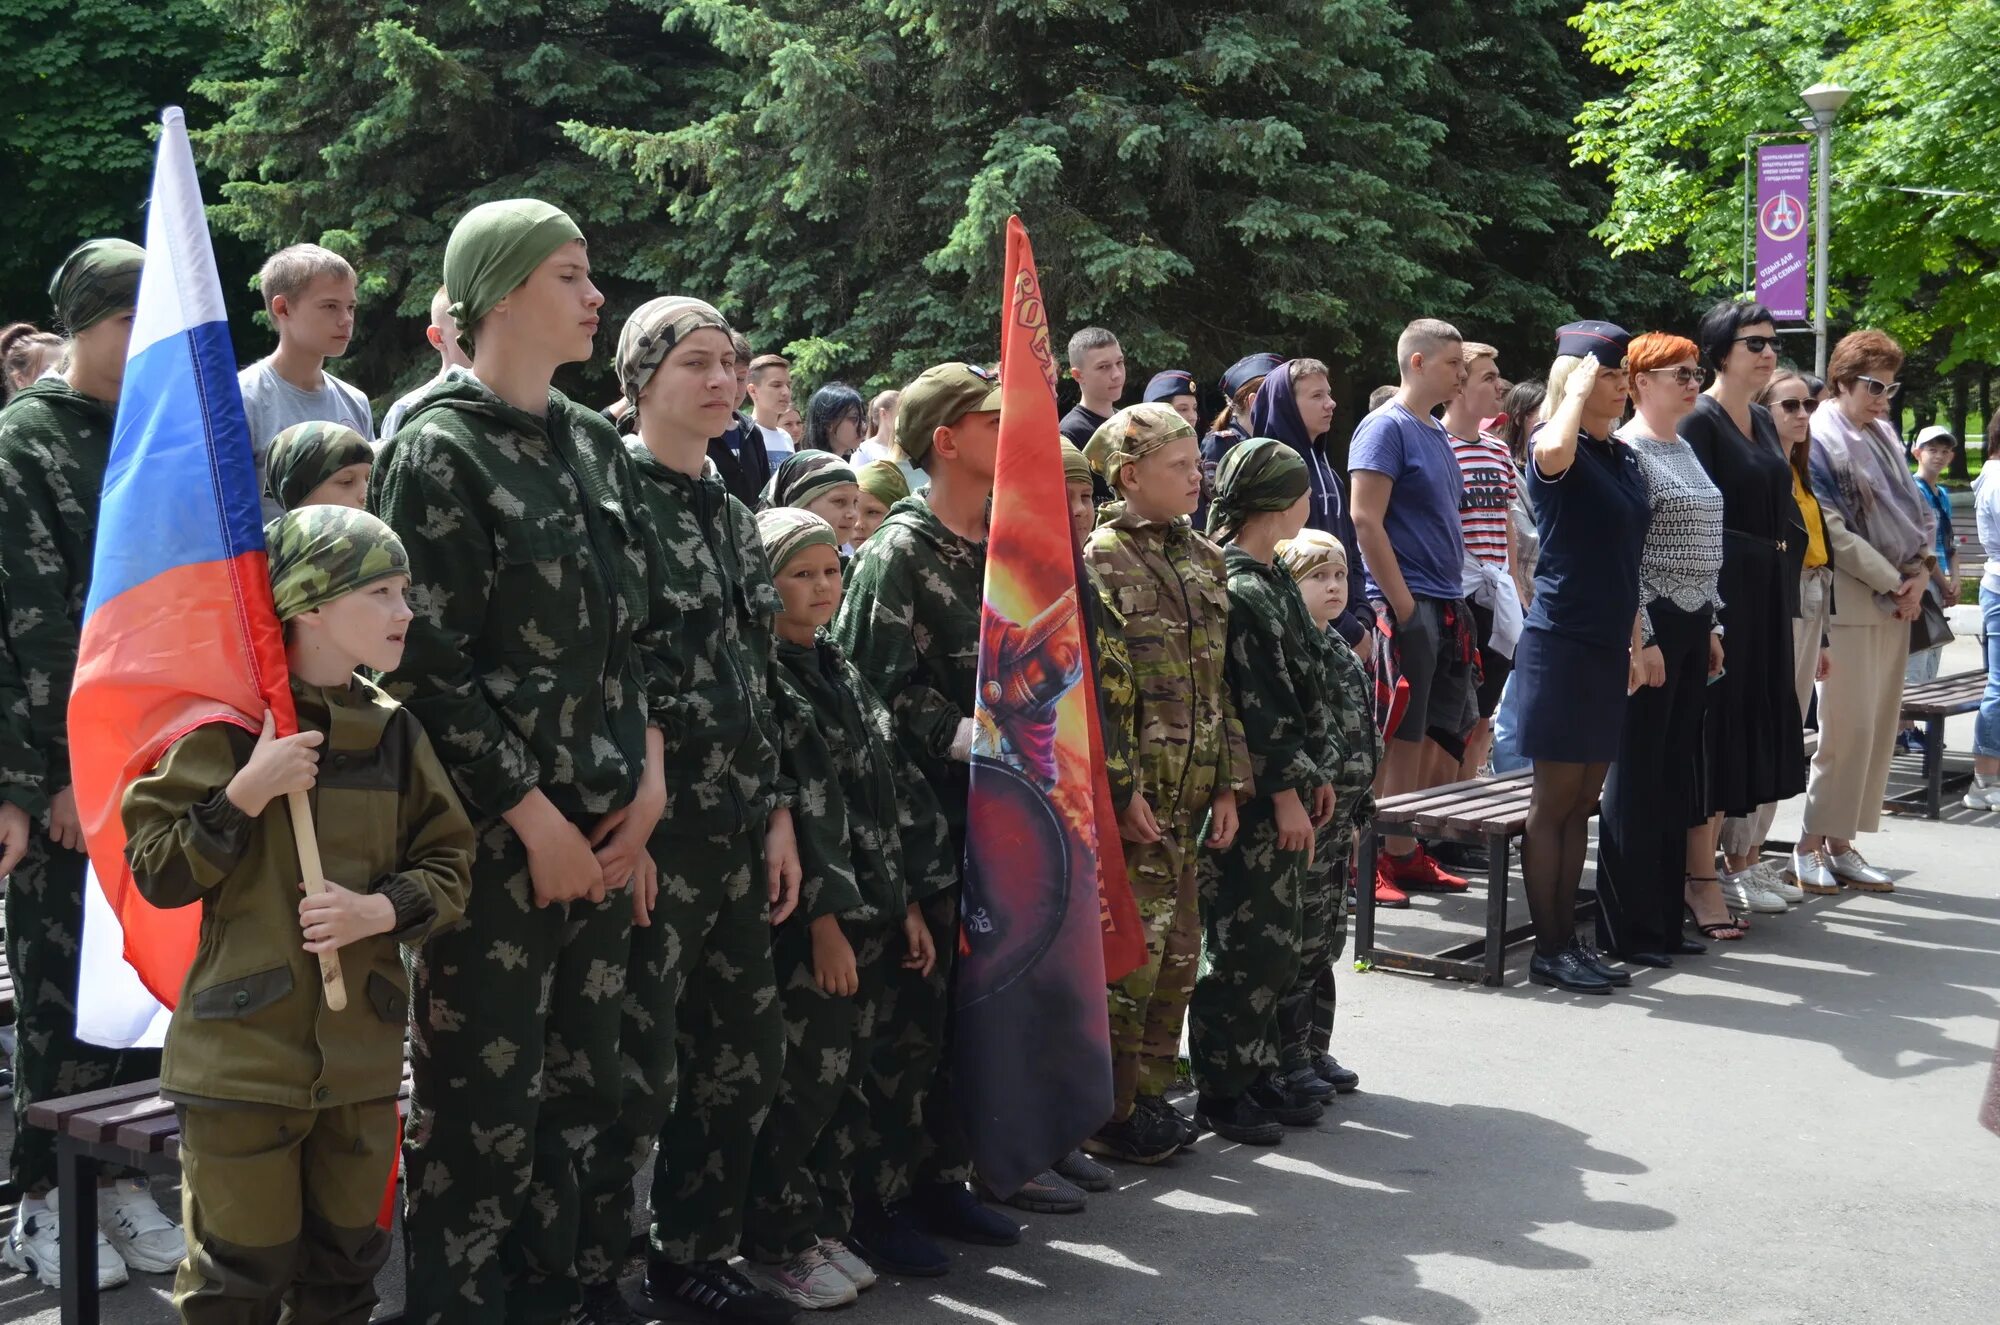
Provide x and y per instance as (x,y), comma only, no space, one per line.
(1166,583)
(702,1042)
(870,841)
(288,1111)
(20,765)
(1305,1013)
(54,443)
(537,641)
(1251,894)
(909,623)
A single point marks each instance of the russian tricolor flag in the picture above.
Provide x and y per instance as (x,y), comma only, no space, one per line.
(179,629)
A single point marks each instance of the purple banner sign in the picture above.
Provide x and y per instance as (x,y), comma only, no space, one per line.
(1784,229)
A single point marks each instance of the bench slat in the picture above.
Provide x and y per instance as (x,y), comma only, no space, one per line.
(54,1114)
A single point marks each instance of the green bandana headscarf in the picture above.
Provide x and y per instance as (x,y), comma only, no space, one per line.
(805,476)
(306,455)
(99,278)
(883,480)
(318,553)
(788,531)
(1076,467)
(493,249)
(1132,434)
(1312,549)
(651,334)
(1260,474)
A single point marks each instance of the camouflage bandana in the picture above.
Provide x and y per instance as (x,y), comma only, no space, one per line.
(883,480)
(1132,434)
(306,455)
(99,278)
(1312,549)
(651,334)
(319,553)
(805,476)
(788,531)
(1260,474)
(493,249)
(1076,468)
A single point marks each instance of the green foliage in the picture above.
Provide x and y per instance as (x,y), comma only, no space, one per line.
(1701,75)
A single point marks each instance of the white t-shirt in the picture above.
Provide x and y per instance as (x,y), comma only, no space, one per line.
(777,444)
(272,405)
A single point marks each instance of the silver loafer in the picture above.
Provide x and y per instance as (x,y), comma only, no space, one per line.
(1854,872)
(1810,872)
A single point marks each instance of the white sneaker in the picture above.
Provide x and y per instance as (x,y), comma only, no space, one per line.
(31,1247)
(1983,794)
(807,1280)
(1773,878)
(142,1235)
(848,1263)
(1747,893)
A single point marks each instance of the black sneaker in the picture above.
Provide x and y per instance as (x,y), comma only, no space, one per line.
(605,1304)
(1140,1137)
(714,1288)
(890,1241)
(1342,1079)
(1241,1120)
(1292,1110)
(1085,1172)
(950,1210)
(1307,1084)
(1162,1107)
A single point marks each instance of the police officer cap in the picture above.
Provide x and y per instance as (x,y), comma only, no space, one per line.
(1604,339)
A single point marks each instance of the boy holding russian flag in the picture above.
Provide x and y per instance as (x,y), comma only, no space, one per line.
(288,1109)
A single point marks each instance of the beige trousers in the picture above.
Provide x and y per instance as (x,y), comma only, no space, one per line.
(1744,834)
(1859,704)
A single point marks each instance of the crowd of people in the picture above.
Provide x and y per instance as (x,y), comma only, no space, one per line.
(639,745)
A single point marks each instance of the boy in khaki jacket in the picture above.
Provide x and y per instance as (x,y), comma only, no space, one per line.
(288,1110)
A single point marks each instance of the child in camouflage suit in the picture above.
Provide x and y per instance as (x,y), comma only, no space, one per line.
(287,1110)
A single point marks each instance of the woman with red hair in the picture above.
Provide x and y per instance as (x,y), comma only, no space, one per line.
(1653,794)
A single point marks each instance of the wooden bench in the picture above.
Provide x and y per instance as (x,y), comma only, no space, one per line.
(1928,705)
(121,1125)
(1488,812)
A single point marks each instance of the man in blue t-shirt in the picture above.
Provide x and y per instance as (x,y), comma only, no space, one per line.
(1406,490)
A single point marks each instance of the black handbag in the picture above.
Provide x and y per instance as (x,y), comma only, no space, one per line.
(1930,630)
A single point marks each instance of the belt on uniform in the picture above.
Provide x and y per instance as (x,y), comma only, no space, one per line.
(1774,544)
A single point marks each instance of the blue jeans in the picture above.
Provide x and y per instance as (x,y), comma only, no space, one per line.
(1986,727)
(1507,756)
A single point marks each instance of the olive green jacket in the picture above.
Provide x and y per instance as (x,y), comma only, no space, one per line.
(251,1025)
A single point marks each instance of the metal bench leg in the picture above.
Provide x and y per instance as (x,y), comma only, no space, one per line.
(1933,767)
(1364,896)
(76,1226)
(1496,910)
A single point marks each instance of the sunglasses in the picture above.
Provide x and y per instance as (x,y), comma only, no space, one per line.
(1877,387)
(1682,376)
(1757,344)
(1798,406)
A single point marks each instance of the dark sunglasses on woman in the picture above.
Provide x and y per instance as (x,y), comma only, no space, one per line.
(1757,344)
(1682,376)
(1797,406)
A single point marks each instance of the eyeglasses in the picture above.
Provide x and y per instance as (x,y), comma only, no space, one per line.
(1798,406)
(1757,344)
(1877,387)
(1682,376)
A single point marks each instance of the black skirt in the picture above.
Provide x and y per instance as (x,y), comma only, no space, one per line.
(1755,748)
(1572,697)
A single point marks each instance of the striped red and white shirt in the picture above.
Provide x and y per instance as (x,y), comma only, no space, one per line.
(1490,479)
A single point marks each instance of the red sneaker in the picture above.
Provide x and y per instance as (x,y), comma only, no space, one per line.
(1418,870)
(1386,891)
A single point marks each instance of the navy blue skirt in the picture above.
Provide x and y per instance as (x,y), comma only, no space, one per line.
(1572,697)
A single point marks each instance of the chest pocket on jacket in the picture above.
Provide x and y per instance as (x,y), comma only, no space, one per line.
(539,585)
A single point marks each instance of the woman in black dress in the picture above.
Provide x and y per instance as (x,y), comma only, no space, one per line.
(1756,750)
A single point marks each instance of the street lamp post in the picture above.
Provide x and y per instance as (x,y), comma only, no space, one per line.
(1824,100)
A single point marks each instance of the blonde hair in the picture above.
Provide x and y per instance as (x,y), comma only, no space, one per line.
(1477,350)
(290,270)
(1559,372)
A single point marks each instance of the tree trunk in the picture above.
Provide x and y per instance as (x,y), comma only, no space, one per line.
(1961,406)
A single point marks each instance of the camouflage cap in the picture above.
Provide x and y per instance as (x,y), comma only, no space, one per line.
(1076,469)
(1312,549)
(787,531)
(493,249)
(883,480)
(651,333)
(1258,474)
(941,396)
(319,553)
(1132,434)
(306,455)
(805,476)
(99,277)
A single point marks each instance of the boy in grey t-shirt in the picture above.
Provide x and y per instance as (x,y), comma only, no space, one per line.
(309,293)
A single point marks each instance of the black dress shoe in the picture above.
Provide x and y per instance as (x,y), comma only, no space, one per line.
(1565,971)
(1594,959)
(1646,958)
(1688,947)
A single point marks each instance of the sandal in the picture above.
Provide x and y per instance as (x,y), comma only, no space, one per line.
(1731,930)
